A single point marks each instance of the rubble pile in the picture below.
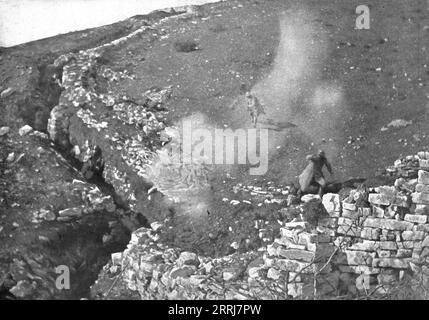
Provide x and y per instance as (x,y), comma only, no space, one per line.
(159,272)
(262,195)
(407,167)
(365,244)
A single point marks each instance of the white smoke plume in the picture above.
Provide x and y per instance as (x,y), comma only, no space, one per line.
(295,91)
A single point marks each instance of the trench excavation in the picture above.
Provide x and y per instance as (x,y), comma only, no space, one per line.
(78,244)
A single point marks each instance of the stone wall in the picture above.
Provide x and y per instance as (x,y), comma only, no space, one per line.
(369,242)
(365,245)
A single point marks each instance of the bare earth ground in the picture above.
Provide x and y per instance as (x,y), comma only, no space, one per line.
(338,87)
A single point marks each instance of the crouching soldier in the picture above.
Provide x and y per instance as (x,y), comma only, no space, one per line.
(313,173)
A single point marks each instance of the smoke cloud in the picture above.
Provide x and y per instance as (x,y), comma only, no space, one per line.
(295,91)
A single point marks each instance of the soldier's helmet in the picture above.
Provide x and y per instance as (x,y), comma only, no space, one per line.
(321,153)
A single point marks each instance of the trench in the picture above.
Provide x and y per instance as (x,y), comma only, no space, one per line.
(77,244)
(82,243)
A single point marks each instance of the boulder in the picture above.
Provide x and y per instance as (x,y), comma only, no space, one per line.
(25,130)
(273,274)
(331,202)
(6,93)
(71,212)
(423,177)
(4,131)
(188,258)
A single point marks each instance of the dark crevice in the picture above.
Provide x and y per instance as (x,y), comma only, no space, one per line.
(77,244)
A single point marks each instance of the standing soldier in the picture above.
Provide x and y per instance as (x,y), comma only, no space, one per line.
(254,107)
(313,173)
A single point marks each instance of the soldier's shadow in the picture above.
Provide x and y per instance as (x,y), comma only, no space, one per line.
(331,187)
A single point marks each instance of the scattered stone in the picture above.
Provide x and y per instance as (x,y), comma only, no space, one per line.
(106,238)
(71,212)
(6,93)
(43,238)
(273,274)
(25,130)
(423,177)
(22,289)
(295,289)
(299,225)
(310,197)
(399,123)
(188,258)
(230,274)
(10,157)
(156,226)
(331,202)
(235,245)
(47,215)
(4,131)
(254,272)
